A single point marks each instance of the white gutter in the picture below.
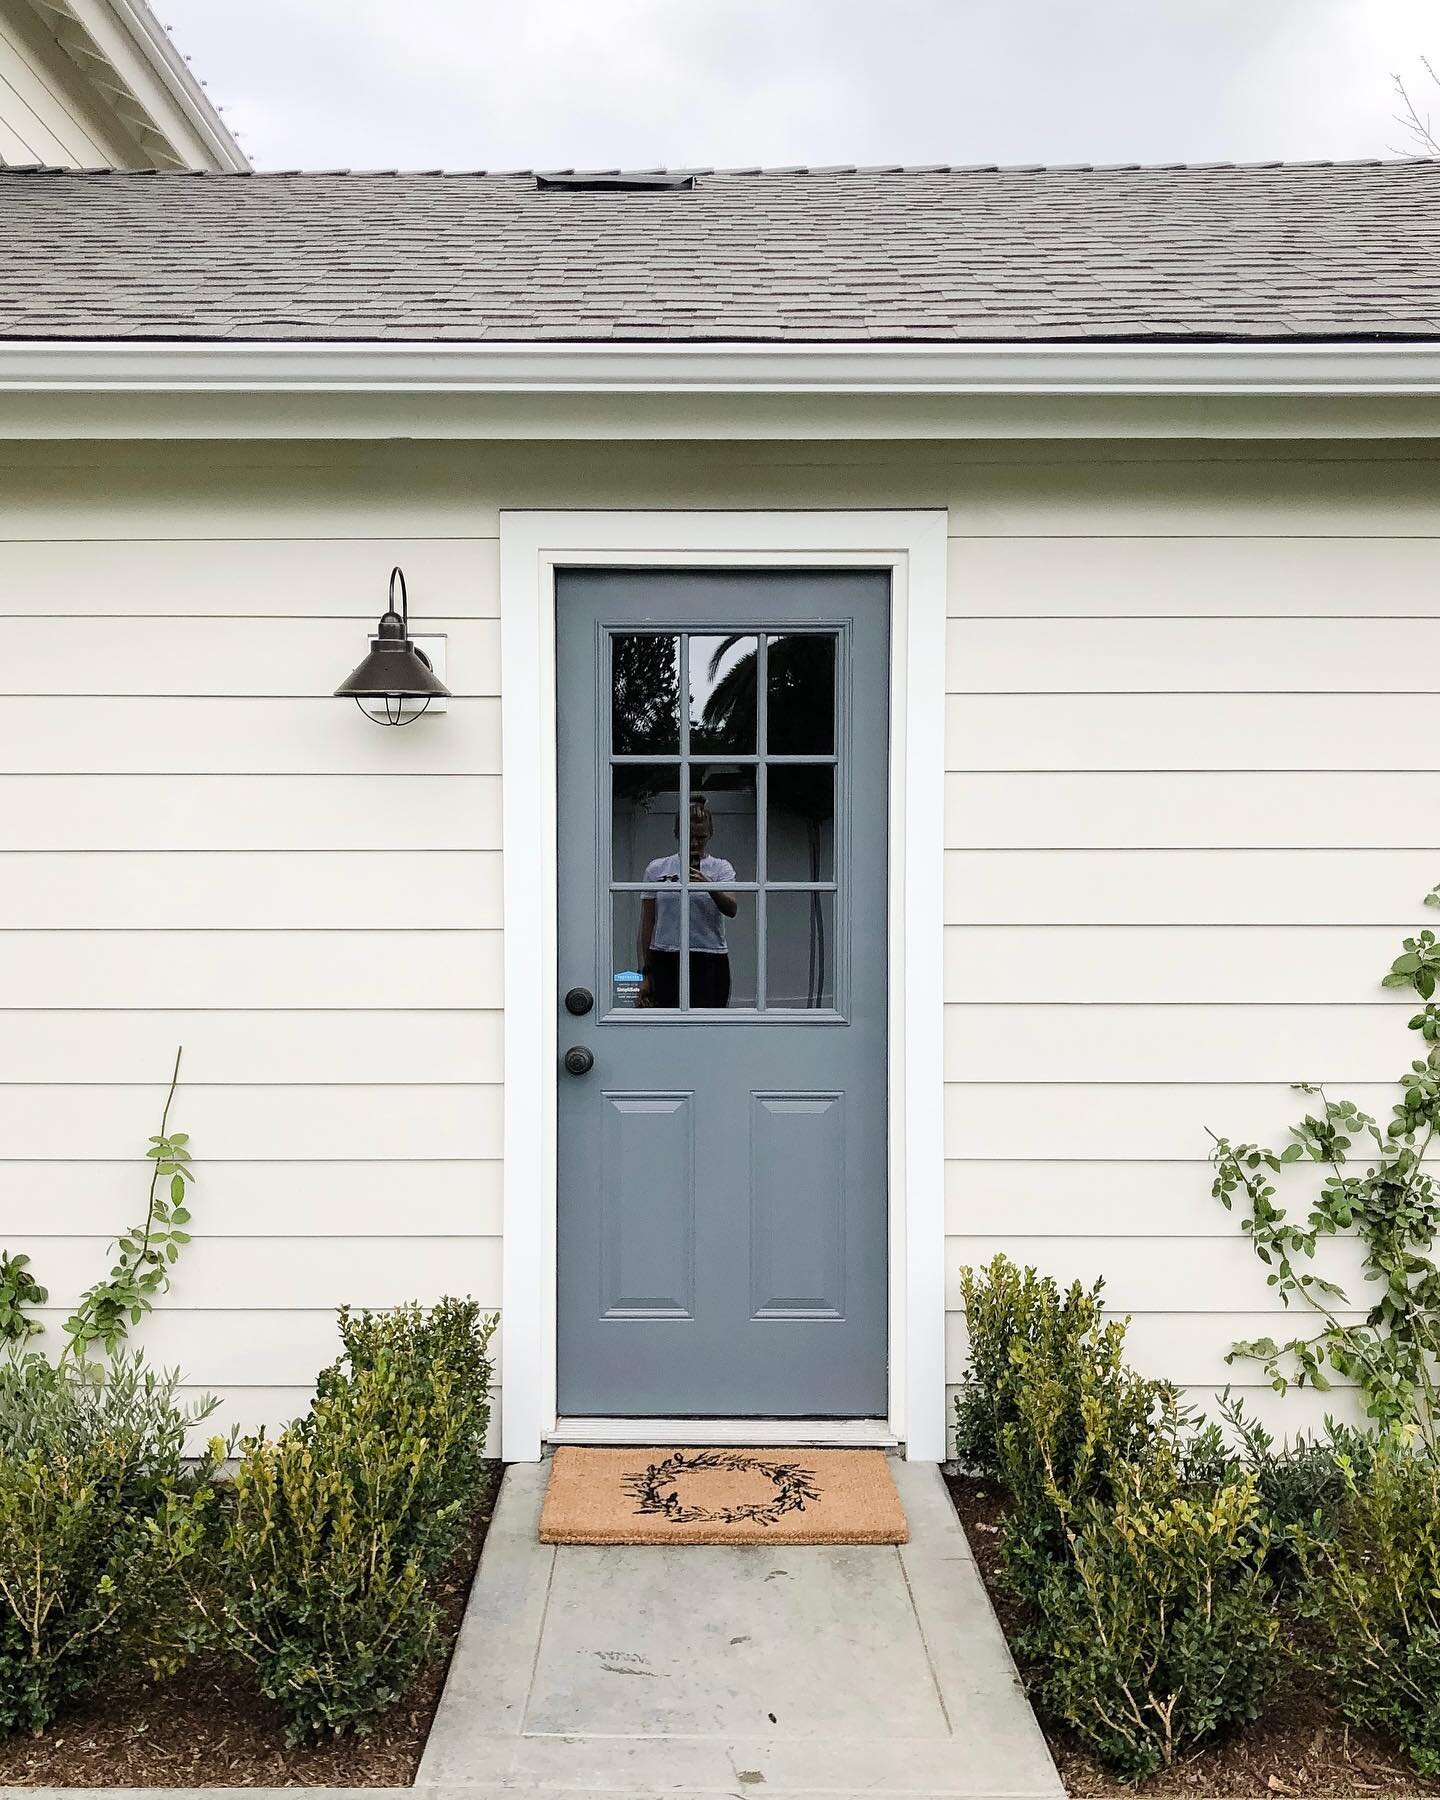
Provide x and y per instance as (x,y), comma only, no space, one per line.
(1398,370)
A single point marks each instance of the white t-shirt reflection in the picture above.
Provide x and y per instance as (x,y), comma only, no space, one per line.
(707,922)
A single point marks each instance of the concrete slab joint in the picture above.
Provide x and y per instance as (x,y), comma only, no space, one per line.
(832,1671)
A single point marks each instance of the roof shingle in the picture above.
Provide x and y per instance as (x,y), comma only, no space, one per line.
(1265,252)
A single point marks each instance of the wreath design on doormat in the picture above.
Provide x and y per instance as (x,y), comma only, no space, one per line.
(654,1488)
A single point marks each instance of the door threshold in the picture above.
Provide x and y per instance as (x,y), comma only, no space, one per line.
(850,1434)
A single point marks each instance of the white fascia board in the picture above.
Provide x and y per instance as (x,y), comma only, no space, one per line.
(1400,370)
(146,64)
(736,392)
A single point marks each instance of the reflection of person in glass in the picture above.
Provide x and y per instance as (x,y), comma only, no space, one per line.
(658,943)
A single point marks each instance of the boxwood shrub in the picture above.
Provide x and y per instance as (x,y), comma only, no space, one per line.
(339,1525)
(1373,1588)
(1152,1618)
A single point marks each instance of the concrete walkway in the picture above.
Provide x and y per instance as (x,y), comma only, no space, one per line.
(824,1672)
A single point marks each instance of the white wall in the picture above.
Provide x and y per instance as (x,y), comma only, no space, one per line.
(1186,821)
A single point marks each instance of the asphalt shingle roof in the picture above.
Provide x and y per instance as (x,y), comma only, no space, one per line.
(1284,252)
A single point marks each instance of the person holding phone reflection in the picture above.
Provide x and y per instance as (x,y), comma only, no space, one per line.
(658,940)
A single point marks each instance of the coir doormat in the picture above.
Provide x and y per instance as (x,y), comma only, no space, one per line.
(665,1496)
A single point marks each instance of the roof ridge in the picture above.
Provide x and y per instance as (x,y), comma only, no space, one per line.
(756,170)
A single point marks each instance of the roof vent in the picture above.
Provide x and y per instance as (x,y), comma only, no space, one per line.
(617,183)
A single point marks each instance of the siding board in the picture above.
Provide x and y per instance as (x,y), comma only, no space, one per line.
(1064,1198)
(222,1048)
(1178,576)
(1171,656)
(236,812)
(1134,732)
(265,658)
(396,1123)
(1204,1277)
(250,578)
(1158,809)
(340,970)
(141,735)
(212,1346)
(1021,886)
(1188,1348)
(259,1199)
(317,1274)
(1159,964)
(1011,1121)
(1338,1045)
(250,890)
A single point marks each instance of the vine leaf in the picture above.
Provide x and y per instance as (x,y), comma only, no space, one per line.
(146,1253)
(1391,1206)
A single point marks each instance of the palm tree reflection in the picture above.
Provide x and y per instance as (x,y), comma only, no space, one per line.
(799,721)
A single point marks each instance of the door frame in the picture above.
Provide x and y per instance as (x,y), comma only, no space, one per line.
(911,546)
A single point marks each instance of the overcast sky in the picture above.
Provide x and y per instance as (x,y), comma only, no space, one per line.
(500,84)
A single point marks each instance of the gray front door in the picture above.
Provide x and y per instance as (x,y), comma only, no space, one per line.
(722,870)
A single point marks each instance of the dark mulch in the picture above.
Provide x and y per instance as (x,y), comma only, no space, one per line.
(208,1727)
(1300,1746)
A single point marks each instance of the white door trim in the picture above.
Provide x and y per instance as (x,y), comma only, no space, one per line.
(912,546)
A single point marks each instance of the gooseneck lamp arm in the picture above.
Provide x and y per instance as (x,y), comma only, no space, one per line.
(396,670)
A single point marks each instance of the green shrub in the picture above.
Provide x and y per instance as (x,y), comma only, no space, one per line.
(1048,1405)
(92,1498)
(1373,1587)
(450,1339)
(1301,1483)
(1006,1307)
(341,1522)
(1158,1627)
(1136,1542)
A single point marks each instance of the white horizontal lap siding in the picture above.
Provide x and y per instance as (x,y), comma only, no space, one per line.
(1189,814)
(39,117)
(1186,824)
(404,814)
(202,847)
(315,1274)
(252,890)
(223,970)
(235,735)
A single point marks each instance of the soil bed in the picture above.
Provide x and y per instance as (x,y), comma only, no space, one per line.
(1300,1745)
(209,1727)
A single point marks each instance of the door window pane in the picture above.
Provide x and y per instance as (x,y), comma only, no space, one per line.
(726,979)
(800,950)
(645,950)
(644,820)
(800,719)
(632,917)
(722,694)
(645,695)
(800,822)
(723,818)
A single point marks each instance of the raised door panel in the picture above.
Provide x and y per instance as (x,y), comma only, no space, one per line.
(797,1211)
(646,1192)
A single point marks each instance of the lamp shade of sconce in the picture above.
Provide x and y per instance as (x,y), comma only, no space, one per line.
(396,671)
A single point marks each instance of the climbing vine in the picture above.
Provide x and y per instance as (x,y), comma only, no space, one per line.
(1376,1189)
(140,1274)
(18,1289)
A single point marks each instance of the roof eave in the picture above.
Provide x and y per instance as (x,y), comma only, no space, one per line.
(1316,369)
(739,392)
(133,68)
